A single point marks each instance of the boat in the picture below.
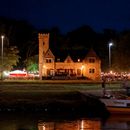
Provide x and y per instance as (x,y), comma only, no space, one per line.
(117,106)
(117,102)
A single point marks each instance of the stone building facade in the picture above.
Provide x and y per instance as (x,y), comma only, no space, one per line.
(89,67)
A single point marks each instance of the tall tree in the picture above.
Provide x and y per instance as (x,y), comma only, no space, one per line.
(121,53)
(10,57)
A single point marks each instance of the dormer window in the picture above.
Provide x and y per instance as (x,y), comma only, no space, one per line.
(48,60)
(91,60)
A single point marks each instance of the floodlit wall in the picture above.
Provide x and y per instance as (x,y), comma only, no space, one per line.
(48,66)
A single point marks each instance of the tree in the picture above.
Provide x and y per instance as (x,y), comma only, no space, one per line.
(32,64)
(10,57)
(121,53)
(22,34)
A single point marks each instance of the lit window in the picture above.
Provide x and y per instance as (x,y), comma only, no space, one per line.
(91,71)
(49,60)
(46,60)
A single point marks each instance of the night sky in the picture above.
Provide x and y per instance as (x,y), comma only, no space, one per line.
(70,14)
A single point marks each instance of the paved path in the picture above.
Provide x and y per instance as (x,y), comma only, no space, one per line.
(100,92)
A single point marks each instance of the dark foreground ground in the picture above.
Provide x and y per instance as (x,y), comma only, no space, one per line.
(54,104)
(52,99)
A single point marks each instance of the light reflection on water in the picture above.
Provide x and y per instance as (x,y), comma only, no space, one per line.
(83,124)
(31,122)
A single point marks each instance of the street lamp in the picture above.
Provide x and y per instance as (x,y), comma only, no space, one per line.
(2,37)
(110,44)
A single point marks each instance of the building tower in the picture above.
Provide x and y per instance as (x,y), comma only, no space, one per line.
(43,47)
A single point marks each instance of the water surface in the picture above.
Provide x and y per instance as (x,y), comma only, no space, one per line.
(22,121)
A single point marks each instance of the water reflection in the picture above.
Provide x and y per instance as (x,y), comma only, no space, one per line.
(22,121)
(84,124)
(117,122)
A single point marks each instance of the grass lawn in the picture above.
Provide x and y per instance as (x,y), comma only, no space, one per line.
(54,85)
(50,89)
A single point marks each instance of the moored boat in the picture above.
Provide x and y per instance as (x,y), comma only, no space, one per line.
(117,106)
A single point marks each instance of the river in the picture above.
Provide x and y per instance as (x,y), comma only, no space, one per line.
(21,121)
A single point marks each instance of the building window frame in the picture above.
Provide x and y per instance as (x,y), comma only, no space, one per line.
(91,70)
(48,60)
(92,60)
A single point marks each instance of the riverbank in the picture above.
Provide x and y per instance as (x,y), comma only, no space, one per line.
(26,95)
(46,87)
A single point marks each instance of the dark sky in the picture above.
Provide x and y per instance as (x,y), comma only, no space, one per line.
(70,14)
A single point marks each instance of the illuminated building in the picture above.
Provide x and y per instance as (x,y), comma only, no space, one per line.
(51,66)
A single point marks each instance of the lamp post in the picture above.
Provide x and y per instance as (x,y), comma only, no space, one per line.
(2,38)
(110,44)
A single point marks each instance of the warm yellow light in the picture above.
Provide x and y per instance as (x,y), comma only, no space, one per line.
(43,127)
(111,72)
(44,66)
(82,67)
(82,125)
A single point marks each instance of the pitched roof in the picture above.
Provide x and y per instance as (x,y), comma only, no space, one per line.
(49,54)
(74,54)
(68,59)
(91,53)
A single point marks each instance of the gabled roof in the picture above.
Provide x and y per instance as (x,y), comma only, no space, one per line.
(68,59)
(91,53)
(74,54)
(49,54)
